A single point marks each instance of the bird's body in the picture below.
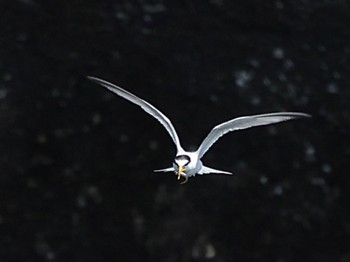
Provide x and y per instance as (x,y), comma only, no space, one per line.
(187,164)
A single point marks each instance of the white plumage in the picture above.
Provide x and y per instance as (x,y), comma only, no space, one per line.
(187,164)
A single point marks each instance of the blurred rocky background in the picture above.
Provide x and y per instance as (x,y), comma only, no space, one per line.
(76,162)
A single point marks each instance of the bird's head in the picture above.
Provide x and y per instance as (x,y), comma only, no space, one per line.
(181,161)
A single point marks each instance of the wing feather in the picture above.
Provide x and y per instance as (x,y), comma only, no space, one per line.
(243,123)
(144,105)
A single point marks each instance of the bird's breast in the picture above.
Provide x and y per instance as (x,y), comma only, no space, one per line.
(193,168)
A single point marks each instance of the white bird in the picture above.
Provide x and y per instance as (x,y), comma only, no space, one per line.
(187,164)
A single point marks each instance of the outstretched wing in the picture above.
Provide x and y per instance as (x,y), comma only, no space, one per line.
(144,105)
(243,123)
(169,169)
(208,170)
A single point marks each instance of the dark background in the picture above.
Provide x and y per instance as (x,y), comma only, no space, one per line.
(76,180)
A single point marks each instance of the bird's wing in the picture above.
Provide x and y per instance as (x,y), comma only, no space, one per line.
(169,169)
(243,123)
(144,105)
(208,170)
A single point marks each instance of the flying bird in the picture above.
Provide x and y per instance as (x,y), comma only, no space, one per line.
(187,164)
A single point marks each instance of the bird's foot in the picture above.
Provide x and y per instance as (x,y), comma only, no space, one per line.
(182,174)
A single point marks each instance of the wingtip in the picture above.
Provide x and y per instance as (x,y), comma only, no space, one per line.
(98,81)
(297,114)
(305,115)
(92,78)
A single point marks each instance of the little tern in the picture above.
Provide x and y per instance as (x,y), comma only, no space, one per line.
(187,164)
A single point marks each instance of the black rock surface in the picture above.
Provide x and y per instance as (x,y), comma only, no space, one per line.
(76,180)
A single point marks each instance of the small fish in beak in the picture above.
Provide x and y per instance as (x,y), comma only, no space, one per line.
(181,173)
